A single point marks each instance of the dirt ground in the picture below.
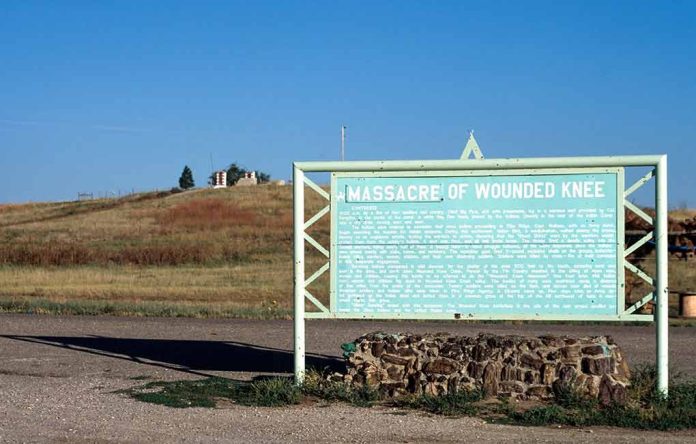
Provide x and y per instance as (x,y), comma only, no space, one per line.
(58,376)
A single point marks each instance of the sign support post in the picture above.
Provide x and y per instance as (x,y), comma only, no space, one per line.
(661,289)
(299,275)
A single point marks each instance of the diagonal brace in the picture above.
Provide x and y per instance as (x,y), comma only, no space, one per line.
(317,216)
(639,243)
(647,298)
(639,183)
(317,188)
(316,274)
(316,302)
(642,214)
(316,245)
(640,273)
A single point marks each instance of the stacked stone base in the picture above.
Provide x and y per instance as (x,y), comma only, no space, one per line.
(504,366)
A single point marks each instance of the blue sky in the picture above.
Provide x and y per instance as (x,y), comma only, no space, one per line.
(107,96)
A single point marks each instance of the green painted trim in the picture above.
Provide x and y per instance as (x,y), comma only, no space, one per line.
(474,317)
(482,164)
(481,173)
(332,245)
(620,241)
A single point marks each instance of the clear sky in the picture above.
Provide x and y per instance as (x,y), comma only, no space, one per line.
(107,96)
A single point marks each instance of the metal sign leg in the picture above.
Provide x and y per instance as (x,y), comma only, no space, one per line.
(661,289)
(299,275)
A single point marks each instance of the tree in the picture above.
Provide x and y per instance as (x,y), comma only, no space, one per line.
(263,177)
(234,173)
(186,179)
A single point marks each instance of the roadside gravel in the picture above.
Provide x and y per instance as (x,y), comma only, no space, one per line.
(59,375)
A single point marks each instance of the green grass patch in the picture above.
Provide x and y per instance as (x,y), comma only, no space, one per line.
(272,392)
(139,309)
(451,404)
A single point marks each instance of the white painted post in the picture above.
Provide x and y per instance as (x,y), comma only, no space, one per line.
(299,275)
(661,282)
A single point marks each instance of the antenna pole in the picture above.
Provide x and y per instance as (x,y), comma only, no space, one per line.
(343,142)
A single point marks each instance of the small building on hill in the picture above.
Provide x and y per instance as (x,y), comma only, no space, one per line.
(220,179)
(248,179)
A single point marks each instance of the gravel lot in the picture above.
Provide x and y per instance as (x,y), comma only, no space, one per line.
(58,376)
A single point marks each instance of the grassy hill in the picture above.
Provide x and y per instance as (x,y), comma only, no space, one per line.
(206,252)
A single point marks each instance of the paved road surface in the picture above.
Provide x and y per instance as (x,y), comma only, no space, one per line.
(58,376)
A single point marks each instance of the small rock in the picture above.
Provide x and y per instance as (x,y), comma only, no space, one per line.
(531,361)
(593,350)
(570,352)
(539,391)
(377,349)
(391,359)
(548,373)
(512,386)
(596,366)
(443,366)
(490,379)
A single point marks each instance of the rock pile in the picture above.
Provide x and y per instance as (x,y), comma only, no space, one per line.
(503,366)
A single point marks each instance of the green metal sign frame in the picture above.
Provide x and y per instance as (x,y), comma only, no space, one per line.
(483,167)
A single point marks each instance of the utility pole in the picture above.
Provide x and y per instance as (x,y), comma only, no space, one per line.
(343,142)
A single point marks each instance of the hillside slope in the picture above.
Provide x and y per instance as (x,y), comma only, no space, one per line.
(231,247)
(202,252)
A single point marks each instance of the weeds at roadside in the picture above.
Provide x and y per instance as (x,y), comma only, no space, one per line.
(140,378)
(141,309)
(318,386)
(644,409)
(451,404)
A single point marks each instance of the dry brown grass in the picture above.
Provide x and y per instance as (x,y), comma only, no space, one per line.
(242,284)
(206,215)
(682,214)
(200,227)
(229,248)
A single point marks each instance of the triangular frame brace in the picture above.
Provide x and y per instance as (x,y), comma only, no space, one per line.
(471,148)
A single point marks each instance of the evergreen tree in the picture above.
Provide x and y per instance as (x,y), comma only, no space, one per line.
(186,179)
(234,173)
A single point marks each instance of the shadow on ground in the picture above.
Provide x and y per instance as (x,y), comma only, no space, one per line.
(190,356)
